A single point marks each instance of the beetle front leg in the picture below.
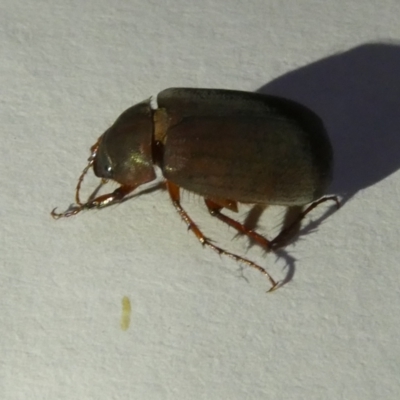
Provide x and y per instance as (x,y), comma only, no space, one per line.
(174,194)
(109,198)
(98,202)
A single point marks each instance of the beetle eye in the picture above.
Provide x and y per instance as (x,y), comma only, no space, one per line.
(102,166)
(107,171)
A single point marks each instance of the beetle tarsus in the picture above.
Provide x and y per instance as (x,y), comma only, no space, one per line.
(73,209)
(275,286)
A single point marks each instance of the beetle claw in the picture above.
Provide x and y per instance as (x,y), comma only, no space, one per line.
(274,287)
(73,209)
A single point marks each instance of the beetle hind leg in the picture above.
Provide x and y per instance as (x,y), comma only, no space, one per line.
(284,235)
(281,239)
(173,191)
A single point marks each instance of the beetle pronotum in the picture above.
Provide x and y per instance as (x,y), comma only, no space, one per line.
(227,146)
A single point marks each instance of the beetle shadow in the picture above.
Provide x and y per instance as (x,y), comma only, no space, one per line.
(357,95)
(154,187)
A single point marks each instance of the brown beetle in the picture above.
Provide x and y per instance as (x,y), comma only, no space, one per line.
(227,146)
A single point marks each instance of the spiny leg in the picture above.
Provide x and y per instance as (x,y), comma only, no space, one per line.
(173,191)
(215,211)
(280,239)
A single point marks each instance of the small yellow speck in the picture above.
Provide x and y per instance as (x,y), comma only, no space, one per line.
(126,313)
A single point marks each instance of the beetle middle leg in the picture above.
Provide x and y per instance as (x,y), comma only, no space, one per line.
(215,210)
(174,192)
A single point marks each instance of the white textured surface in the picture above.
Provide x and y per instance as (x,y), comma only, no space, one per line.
(198,331)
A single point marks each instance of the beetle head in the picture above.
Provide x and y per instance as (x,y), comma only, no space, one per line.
(124,152)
